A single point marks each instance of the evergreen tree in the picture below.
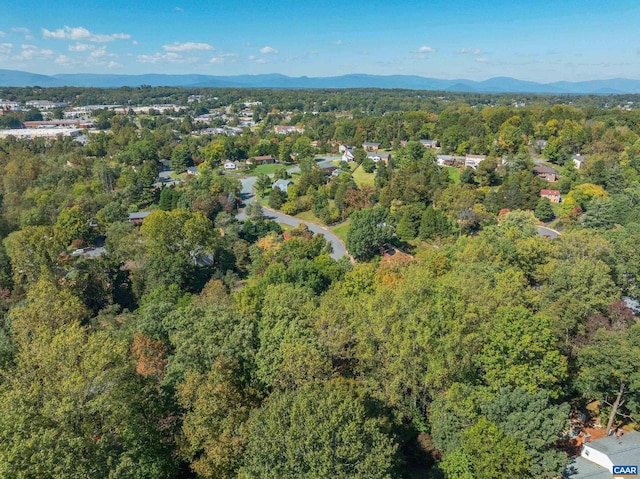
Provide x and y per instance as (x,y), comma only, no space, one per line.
(544,210)
(434,224)
(277,198)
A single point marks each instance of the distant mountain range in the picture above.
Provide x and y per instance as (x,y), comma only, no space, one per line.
(493,85)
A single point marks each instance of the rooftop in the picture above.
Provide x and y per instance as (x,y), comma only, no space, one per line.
(621,450)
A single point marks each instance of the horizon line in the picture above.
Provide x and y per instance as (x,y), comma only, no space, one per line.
(545,82)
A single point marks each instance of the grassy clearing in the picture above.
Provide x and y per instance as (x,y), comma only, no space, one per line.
(267,169)
(341,230)
(286,228)
(454,173)
(309,216)
(361,177)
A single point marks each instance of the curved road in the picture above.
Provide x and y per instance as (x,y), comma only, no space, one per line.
(247,195)
(544,231)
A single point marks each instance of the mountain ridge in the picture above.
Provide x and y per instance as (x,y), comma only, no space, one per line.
(17,78)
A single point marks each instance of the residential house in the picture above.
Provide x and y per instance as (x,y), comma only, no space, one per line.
(445,160)
(546,173)
(193,171)
(282,184)
(578,161)
(370,146)
(261,160)
(287,130)
(138,218)
(472,161)
(230,165)
(551,195)
(379,156)
(347,153)
(430,144)
(603,458)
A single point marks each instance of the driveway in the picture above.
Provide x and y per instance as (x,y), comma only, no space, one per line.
(544,231)
(247,195)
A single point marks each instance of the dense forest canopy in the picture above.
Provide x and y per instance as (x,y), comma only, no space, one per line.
(157,322)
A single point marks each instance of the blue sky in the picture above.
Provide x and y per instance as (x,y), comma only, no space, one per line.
(537,40)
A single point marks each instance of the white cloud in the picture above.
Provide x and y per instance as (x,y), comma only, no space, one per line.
(225,58)
(425,49)
(64,60)
(267,50)
(337,42)
(251,57)
(32,52)
(23,31)
(81,33)
(169,57)
(5,48)
(187,47)
(179,9)
(81,47)
(2,34)
(483,60)
(261,61)
(472,51)
(113,64)
(95,52)
(101,52)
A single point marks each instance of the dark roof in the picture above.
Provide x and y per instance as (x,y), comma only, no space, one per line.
(543,169)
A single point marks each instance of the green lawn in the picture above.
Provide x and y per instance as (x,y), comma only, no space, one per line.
(341,230)
(286,228)
(361,177)
(267,169)
(309,216)
(454,173)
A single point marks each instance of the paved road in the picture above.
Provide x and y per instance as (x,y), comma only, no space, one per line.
(247,196)
(544,231)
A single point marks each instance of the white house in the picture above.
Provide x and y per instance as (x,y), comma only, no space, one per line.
(430,144)
(578,161)
(473,161)
(230,165)
(347,154)
(598,459)
(283,185)
(377,156)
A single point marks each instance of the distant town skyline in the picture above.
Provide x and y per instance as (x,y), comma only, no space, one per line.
(540,41)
